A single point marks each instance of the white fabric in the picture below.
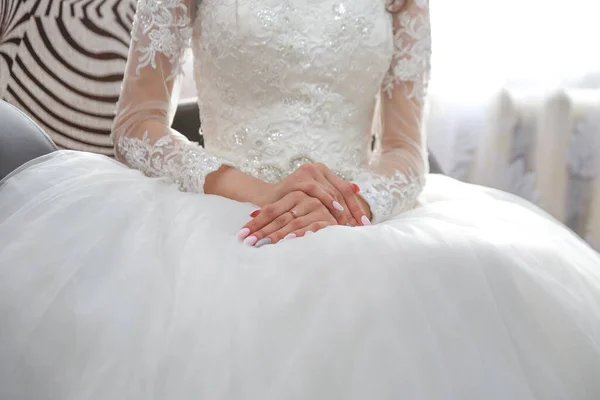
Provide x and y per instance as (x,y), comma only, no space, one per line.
(115,285)
(274,92)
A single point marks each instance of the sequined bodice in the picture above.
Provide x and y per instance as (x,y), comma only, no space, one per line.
(284,82)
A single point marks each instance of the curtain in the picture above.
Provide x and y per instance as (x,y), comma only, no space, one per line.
(515,101)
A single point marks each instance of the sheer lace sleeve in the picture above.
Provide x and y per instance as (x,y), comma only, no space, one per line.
(397,172)
(142,135)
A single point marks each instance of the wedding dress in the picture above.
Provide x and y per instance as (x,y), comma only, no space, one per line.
(117,285)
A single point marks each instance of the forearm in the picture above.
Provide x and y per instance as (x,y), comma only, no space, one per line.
(236,185)
(396,177)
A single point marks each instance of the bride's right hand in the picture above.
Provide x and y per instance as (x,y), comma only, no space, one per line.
(296,214)
(318,181)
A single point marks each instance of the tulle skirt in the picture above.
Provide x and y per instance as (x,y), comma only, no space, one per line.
(118,286)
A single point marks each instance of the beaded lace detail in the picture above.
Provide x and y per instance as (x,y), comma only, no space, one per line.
(281,83)
(289,82)
(185,163)
(161,38)
(396,184)
(163,26)
(390,195)
(412,52)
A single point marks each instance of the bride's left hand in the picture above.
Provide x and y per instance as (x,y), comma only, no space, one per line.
(294,215)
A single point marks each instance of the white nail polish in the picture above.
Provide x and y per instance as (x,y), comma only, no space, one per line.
(308,233)
(250,240)
(289,236)
(365,220)
(243,233)
(338,206)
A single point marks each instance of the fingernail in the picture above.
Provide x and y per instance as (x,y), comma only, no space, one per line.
(355,188)
(243,233)
(308,233)
(365,220)
(255,213)
(262,242)
(289,236)
(348,224)
(338,206)
(250,240)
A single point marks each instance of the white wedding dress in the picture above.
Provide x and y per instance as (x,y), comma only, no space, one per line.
(117,285)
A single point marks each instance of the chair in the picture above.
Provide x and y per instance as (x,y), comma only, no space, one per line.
(21,139)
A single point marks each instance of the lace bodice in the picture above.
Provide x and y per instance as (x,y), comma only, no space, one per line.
(281,83)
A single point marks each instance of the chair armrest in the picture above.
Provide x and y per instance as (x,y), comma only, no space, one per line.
(187,120)
(21,139)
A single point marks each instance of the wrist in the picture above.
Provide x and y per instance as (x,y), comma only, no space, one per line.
(236,185)
(260,192)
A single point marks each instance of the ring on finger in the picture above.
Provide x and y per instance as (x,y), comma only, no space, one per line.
(294,213)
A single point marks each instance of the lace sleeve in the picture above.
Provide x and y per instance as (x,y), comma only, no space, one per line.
(397,172)
(141,131)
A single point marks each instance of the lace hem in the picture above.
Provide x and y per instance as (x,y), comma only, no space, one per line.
(186,163)
(389,196)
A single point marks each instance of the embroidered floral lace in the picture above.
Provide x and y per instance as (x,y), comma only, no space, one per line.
(282,83)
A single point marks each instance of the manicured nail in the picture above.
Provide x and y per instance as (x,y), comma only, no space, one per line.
(250,240)
(243,233)
(365,220)
(308,233)
(255,213)
(355,188)
(289,236)
(262,242)
(348,224)
(338,206)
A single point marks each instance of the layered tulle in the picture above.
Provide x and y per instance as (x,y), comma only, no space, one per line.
(118,286)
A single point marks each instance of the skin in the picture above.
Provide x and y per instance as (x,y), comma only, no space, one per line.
(311,191)
(317,197)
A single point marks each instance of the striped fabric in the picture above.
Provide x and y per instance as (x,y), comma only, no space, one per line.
(62,63)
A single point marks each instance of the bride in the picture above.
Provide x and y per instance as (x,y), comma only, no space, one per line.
(286,260)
